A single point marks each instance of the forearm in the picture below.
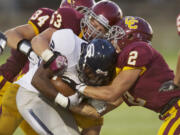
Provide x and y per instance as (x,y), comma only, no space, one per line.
(15,35)
(41,42)
(100,93)
(85,110)
(177,75)
(41,81)
(112,105)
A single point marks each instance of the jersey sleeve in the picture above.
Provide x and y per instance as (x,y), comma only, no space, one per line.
(13,65)
(66,18)
(40,19)
(178,24)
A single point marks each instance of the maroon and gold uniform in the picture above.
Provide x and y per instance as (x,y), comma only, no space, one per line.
(9,71)
(145,92)
(42,19)
(66,18)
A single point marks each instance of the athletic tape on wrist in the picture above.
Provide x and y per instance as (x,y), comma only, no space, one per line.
(3,43)
(61,100)
(47,54)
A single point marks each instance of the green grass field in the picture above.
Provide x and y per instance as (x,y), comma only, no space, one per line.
(128,120)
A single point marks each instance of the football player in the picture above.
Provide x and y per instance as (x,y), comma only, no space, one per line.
(32,106)
(144,79)
(37,17)
(37,23)
(177,75)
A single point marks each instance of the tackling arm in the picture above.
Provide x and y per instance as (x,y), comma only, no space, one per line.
(121,83)
(16,34)
(41,42)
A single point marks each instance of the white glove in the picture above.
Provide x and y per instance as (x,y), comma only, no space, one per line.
(99,105)
(33,58)
(75,99)
(3,41)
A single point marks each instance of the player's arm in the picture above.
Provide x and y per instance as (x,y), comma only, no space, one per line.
(89,111)
(18,33)
(122,82)
(40,43)
(177,75)
(41,81)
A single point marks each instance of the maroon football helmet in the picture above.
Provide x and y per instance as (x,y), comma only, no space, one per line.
(130,29)
(106,13)
(75,3)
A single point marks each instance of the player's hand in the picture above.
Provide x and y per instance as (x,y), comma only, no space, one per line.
(75,99)
(71,79)
(57,63)
(33,58)
(3,41)
(81,87)
(168,86)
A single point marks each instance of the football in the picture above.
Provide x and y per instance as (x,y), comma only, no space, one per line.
(62,87)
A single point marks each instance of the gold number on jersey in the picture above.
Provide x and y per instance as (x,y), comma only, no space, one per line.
(41,20)
(132,58)
(133,100)
(130,22)
(56,22)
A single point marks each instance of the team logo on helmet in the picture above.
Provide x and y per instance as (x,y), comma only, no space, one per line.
(131,22)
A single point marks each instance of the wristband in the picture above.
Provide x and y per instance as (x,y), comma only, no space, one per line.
(2,43)
(24,46)
(62,100)
(46,55)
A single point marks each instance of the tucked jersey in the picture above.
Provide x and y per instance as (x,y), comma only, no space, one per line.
(65,42)
(154,72)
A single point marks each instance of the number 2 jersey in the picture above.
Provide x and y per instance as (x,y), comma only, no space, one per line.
(154,72)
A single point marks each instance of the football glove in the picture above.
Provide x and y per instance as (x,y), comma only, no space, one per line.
(3,41)
(73,81)
(57,63)
(168,86)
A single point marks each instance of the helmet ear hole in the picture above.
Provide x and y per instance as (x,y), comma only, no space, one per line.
(130,37)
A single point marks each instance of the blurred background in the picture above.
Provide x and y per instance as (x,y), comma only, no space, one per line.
(161,14)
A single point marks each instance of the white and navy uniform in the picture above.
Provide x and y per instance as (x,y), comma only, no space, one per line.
(40,115)
(43,118)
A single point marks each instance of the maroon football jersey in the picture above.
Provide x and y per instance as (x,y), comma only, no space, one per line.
(155,71)
(66,18)
(13,65)
(41,19)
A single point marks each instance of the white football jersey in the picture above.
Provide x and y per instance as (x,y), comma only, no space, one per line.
(65,42)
